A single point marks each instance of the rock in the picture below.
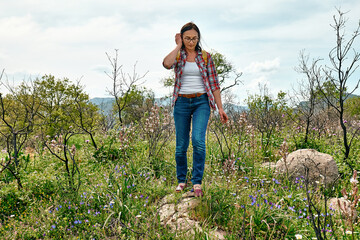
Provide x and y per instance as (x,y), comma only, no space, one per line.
(343,206)
(322,167)
(175,214)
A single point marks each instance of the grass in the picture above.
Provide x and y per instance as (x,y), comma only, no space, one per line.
(119,195)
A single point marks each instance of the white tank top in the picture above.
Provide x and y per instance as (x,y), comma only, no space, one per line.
(191,80)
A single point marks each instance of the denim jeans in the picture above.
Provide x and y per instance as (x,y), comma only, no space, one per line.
(186,111)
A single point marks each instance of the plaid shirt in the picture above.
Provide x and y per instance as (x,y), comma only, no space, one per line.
(208,74)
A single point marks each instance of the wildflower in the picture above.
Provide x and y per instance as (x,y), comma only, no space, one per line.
(298,236)
(354,181)
(348,232)
(53,226)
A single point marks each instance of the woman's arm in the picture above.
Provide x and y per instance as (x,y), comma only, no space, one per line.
(170,58)
(223,117)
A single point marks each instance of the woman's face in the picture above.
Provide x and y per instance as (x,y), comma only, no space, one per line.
(190,39)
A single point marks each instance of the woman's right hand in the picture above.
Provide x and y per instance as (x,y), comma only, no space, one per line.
(178,39)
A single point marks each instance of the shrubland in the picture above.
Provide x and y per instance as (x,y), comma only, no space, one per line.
(68,171)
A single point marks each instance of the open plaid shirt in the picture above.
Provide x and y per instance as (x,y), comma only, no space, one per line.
(208,73)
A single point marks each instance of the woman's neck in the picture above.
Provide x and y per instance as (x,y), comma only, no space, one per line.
(190,52)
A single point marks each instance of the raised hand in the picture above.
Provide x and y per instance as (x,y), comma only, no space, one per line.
(178,39)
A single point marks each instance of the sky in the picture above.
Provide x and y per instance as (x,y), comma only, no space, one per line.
(261,38)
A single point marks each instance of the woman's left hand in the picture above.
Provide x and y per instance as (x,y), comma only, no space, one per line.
(223,117)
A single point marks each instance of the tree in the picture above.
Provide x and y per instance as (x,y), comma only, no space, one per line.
(122,84)
(18,111)
(64,104)
(65,111)
(225,71)
(83,114)
(344,60)
(266,114)
(139,100)
(307,96)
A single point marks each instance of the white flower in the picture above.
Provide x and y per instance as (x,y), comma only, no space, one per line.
(348,232)
(298,236)
(354,180)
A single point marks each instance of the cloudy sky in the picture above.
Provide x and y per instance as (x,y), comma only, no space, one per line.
(70,38)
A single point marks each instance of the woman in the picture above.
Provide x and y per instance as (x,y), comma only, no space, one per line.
(196,90)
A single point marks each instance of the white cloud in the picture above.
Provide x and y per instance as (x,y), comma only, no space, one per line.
(267,66)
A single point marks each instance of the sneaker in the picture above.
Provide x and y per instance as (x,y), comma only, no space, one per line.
(197,190)
(180,187)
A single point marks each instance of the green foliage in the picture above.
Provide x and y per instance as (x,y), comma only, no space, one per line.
(64,105)
(267,114)
(134,104)
(352,107)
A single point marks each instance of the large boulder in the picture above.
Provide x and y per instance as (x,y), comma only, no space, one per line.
(322,167)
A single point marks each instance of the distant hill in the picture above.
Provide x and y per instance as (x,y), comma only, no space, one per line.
(105,104)
(324,103)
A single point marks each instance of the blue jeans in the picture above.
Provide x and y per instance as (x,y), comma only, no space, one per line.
(198,110)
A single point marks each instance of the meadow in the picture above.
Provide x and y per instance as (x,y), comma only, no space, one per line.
(113,192)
